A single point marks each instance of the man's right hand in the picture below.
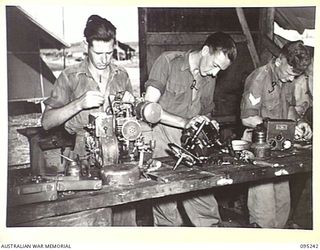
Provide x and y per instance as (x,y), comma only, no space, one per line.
(91,99)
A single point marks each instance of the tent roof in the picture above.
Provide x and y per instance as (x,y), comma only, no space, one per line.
(17,16)
(296,18)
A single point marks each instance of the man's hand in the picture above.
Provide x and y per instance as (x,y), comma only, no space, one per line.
(91,99)
(200,119)
(127,97)
(303,131)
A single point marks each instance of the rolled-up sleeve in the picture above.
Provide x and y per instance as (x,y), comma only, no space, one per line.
(252,96)
(159,74)
(61,93)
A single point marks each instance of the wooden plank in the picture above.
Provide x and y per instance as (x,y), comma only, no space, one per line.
(266,24)
(185,38)
(142,15)
(180,181)
(271,46)
(95,217)
(124,215)
(246,31)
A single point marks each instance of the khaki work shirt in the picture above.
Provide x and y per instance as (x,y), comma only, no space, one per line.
(171,75)
(76,80)
(265,95)
(72,83)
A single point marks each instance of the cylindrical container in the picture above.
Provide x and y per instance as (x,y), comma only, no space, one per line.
(73,169)
(261,149)
(149,111)
(120,174)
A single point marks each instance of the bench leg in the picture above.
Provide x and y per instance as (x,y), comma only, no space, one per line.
(124,216)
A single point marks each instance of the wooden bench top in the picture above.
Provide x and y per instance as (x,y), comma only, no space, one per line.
(182,180)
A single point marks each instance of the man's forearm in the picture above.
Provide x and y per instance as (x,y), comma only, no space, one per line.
(252,121)
(53,117)
(173,120)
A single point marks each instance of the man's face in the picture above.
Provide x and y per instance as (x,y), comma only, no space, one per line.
(285,71)
(211,64)
(100,54)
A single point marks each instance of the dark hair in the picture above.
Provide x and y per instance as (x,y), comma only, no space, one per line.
(297,55)
(100,29)
(224,42)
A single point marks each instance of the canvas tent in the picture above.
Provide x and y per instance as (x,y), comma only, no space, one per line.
(29,78)
(296,18)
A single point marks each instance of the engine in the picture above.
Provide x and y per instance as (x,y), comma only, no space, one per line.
(122,134)
(198,143)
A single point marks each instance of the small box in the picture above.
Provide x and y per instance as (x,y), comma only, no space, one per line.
(280,133)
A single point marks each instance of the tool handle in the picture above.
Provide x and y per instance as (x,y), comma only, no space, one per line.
(262,163)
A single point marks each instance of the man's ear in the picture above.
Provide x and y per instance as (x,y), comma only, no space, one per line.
(205,50)
(85,43)
(277,62)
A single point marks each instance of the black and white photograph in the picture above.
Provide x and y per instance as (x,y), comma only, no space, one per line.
(160,118)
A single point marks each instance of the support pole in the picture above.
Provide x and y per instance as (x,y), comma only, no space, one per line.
(246,31)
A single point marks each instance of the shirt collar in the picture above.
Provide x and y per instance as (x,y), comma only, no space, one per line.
(185,63)
(84,68)
(274,77)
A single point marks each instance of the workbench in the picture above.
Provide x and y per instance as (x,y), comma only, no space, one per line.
(96,208)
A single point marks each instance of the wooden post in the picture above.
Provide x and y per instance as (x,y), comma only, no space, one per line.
(142,13)
(266,27)
(267,22)
(246,31)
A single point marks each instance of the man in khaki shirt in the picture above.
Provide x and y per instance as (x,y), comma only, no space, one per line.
(268,93)
(183,84)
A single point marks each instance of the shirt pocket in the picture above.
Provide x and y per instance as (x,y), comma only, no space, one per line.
(176,97)
(177,90)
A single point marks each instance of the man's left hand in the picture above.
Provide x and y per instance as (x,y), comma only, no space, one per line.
(200,119)
(127,97)
(303,131)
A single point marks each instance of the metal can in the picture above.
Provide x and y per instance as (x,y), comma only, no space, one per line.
(260,147)
(73,169)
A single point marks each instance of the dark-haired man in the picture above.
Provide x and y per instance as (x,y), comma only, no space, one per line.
(183,84)
(85,87)
(268,93)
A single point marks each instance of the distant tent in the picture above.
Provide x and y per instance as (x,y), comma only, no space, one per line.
(125,50)
(29,78)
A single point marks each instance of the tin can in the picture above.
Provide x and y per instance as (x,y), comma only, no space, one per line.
(260,147)
(73,169)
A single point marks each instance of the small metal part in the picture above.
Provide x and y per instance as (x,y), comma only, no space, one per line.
(265,163)
(65,157)
(156,177)
(183,156)
(153,165)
